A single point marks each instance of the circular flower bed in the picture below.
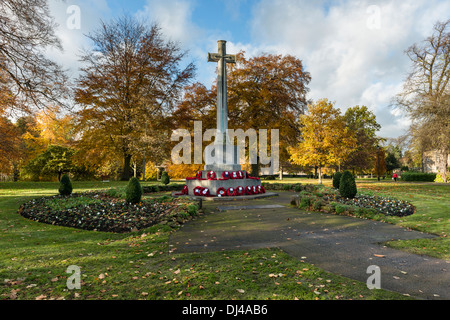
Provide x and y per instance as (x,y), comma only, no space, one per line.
(96,211)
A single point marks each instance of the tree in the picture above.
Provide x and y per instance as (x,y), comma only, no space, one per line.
(379,167)
(268,91)
(325,138)
(362,123)
(9,146)
(28,79)
(426,91)
(131,77)
(264,92)
(56,160)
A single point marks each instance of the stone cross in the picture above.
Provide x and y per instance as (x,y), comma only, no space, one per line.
(222,109)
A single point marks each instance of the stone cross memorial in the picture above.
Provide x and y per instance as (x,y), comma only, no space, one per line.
(222,175)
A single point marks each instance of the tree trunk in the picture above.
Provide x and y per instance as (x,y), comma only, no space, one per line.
(126,173)
(320,175)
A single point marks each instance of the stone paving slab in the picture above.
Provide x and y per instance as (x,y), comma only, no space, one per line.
(338,244)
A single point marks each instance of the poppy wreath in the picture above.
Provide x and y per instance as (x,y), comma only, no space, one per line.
(191,178)
(255,190)
(198,191)
(221,192)
(211,175)
(234,175)
(199,175)
(240,191)
(248,190)
(185,190)
(241,174)
(231,191)
(225,175)
(262,189)
(205,192)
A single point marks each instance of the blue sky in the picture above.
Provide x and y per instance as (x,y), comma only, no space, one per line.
(354,49)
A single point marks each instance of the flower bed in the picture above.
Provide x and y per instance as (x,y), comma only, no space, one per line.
(383,205)
(329,200)
(97,211)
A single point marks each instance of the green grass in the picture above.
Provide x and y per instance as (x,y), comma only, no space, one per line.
(34,258)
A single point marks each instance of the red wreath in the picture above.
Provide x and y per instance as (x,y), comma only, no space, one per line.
(221,192)
(255,190)
(241,174)
(225,175)
(260,190)
(204,192)
(234,175)
(211,175)
(263,190)
(191,178)
(240,191)
(231,191)
(197,191)
(185,189)
(199,175)
(248,190)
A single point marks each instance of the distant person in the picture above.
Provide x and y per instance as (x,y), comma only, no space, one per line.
(395,176)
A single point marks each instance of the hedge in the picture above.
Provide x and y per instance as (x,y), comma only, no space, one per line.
(418,176)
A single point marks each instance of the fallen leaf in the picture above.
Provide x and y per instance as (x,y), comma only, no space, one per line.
(240,290)
(41,297)
(379,255)
(101,276)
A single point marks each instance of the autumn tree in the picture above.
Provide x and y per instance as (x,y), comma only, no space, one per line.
(264,92)
(9,145)
(426,92)
(268,92)
(362,123)
(28,79)
(131,80)
(325,139)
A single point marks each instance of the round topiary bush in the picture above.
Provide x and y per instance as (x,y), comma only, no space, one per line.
(347,185)
(336,179)
(165,178)
(133,192)
(65,186)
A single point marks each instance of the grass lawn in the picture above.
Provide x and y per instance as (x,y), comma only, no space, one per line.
(34,258)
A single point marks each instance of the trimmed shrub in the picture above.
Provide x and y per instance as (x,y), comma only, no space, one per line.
(65,186)
(133,192)
(336,179)
(347,185)
(418,176)
(165,178)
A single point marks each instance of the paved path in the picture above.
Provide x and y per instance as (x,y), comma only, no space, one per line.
(338,244)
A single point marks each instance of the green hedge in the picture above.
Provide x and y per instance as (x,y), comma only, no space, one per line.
(418,176)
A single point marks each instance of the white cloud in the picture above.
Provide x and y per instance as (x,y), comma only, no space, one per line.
(354,52)
(175,19)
